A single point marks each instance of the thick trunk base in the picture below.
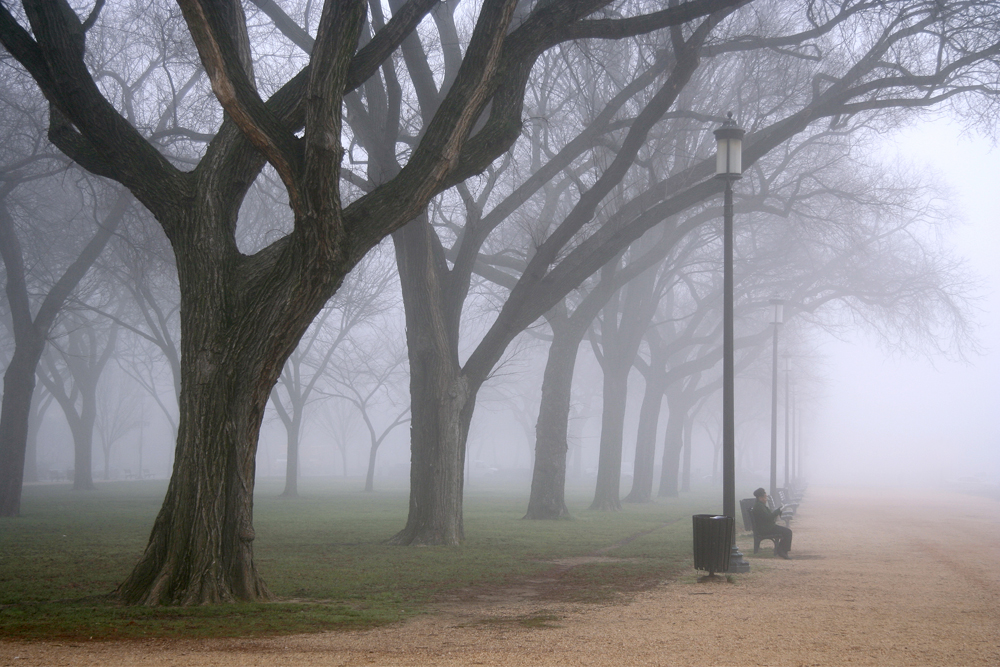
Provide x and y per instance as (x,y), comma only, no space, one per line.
(201,547)
(439,429)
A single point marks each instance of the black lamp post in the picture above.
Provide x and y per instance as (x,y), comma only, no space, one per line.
(778,311)
(788,393)
(728,167)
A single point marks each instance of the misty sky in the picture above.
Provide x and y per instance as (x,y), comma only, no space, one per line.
(940,417)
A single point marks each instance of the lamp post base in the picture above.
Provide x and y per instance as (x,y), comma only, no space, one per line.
(737,564)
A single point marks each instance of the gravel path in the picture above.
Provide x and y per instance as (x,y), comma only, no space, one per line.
(896,578)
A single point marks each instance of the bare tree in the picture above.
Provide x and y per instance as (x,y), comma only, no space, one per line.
(117,415)
(242,314)
(363,297)
(72,371)
(31,330)
(366,380)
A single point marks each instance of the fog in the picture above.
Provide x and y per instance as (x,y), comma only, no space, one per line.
(871,406)
(872,411)
(922,418)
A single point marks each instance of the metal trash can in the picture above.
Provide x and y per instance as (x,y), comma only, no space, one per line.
(713,542)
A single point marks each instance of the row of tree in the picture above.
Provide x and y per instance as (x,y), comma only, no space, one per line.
(545,161)
(120,313)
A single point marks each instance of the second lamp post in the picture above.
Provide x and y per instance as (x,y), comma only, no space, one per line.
(777,320)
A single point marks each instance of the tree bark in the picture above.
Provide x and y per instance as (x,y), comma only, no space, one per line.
(607,495)
(548,481)
(442,397)
(201,547)
(18,388)
(672,443)
(39,406)
(645,439)
(292,430)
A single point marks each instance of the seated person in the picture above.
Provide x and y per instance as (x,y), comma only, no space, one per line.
(764,521)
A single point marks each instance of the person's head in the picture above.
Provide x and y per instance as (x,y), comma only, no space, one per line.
(760,494)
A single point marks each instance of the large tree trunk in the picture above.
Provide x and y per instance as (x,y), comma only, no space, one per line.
(370,476)
(621,344)
(441,413)
(201,547)
(82,427)
(442,398)
(240,320)
(607,495)
(18,387)
(548,481)
(645,440)
(39,406)
(672,443)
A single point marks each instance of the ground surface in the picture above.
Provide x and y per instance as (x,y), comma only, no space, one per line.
(895,578)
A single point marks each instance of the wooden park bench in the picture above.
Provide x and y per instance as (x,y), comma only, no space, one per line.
(745,506)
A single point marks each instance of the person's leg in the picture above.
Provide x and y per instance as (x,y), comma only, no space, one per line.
(785,543)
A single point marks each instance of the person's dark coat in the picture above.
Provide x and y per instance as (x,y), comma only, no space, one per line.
(764,518)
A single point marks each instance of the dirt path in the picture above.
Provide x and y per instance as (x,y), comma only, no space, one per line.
(873,582)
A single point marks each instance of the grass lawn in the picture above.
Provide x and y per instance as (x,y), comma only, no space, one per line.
(323,555)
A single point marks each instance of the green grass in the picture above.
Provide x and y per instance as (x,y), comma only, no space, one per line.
(323,555)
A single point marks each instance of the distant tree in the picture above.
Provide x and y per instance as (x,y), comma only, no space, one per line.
(140,265)
(40,404)
(31,330)
(363,297)
(117,415)
(340,422)
(71,373)
(621,329)
(367,378)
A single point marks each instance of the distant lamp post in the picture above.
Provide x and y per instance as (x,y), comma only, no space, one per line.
(728,167)
(776,319)
(795,440)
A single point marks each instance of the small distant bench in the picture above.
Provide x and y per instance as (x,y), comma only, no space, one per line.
(746,506)
(788,503)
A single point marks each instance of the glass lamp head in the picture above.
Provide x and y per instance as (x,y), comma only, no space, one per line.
(729,149)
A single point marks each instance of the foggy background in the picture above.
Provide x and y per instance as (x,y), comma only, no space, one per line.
(887,417)
(870,411)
